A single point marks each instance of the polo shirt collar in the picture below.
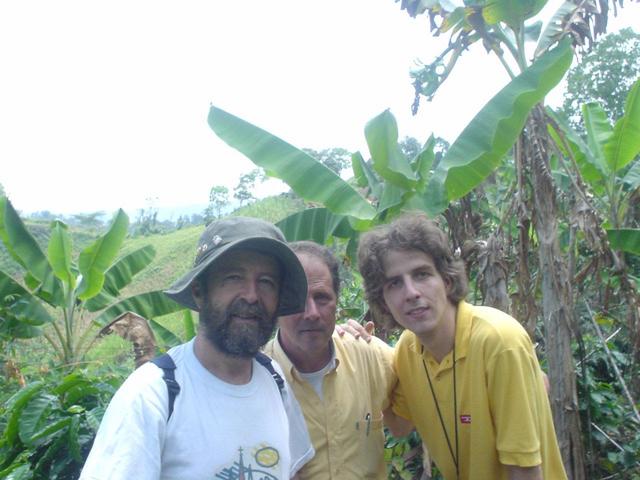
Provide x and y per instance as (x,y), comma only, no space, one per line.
(464,316)
(288,366)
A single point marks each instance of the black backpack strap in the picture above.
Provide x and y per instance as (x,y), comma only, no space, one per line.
(165,362)
(265,361)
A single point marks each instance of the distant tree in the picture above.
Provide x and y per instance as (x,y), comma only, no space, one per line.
(336,159)
(88,220)
(410,146)
(218,200)
(243,192)
(2,194)
(604,75)
(196,219)
(146,222)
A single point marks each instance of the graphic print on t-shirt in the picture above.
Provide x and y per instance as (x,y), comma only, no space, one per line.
(263,464)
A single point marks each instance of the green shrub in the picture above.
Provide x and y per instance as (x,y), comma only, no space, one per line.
(49,425)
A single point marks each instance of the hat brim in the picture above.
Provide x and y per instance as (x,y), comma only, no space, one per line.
(293,290)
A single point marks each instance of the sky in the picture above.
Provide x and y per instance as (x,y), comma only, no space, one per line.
(103,105)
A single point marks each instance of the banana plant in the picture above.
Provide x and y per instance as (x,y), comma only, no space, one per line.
(390,182)
(609,163)
(66,300)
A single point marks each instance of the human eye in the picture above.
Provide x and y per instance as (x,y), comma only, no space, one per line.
(268,282)
(231,277)
(322,299)
(392,284)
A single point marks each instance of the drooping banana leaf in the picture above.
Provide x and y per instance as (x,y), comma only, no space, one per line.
(365,176)
(22,304)
(624,144)
(98,257)
(119,275)
(632,178)
(317,224)
(511,12)
(493,131)
(148,305)
(166,336)
(26,251)
(555,29)
(423,162)
(306,176)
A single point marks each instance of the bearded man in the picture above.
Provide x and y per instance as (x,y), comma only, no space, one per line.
(233,416)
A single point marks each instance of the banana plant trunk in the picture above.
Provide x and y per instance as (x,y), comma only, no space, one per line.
(557,298)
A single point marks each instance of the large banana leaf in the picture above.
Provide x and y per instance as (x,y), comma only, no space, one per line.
(423,162)
(599,132)
(147,305)
(98,257)
(632,178)
(493,131)
(60,254)
(317,224)
(625,239)
(307,177)
(381,133)
(511,12)
(119,275)
(555,29)
(365,176)
(624,144)
(166,336)
(25,307)
(26,251)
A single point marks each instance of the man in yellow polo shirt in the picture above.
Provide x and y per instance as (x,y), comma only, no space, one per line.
(468,376)
(342,384)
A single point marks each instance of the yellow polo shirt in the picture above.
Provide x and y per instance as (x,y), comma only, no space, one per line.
(503,412)
(346,425)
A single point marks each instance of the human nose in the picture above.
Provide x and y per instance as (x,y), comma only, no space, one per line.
(250,292)
(411,291)
(311,310)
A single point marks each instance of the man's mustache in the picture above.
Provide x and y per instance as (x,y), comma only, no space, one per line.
(242,308)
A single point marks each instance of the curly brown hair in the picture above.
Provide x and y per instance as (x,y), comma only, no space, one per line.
(410,231)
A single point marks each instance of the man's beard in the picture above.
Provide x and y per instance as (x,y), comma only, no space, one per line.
(239,338)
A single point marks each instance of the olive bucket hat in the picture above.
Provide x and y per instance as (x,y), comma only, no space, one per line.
(235,233)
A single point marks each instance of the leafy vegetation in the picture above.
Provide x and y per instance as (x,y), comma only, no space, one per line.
(544,213)
(70,296)
(48,426)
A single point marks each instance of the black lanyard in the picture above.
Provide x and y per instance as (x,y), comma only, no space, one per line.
(455,409)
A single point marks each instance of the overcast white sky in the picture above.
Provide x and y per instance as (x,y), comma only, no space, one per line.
(104,104)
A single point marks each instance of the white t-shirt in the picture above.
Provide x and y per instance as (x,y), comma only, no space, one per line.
(216,431)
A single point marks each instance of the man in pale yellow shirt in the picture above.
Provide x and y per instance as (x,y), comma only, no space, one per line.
(342,384)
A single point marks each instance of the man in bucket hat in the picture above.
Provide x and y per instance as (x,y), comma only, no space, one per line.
(232,418)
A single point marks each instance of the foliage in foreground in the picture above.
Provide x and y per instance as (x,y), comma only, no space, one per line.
(48,427)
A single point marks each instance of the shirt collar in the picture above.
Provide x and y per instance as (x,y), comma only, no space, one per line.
(464,316)
(289,367)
